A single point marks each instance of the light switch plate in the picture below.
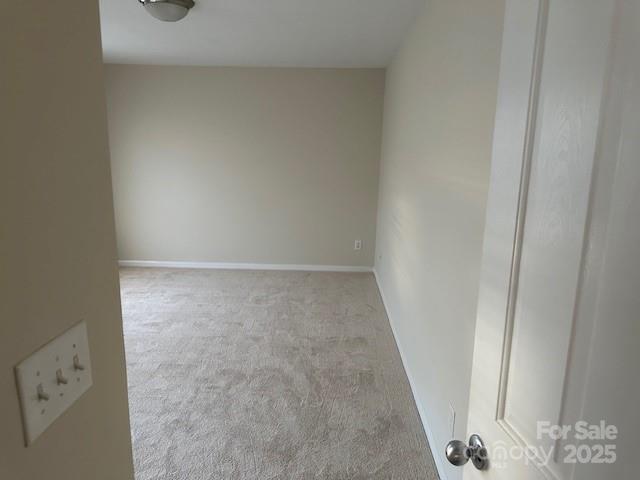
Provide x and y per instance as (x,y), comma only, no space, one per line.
(43,394)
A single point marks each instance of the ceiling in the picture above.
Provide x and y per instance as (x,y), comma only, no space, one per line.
(288,33)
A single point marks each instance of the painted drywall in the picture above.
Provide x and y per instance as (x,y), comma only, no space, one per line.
(283,33)
(245,165)
(438,122)
(57,237)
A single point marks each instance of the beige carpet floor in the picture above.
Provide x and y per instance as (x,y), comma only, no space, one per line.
(266,375)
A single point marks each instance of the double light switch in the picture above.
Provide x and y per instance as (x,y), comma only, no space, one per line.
(52,379)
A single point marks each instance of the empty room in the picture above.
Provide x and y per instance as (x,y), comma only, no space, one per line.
(304,239)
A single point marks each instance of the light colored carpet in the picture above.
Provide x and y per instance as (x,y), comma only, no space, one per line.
(266,375)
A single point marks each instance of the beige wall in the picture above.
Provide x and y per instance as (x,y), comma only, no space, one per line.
(57,241)
(439,111)
(245,165)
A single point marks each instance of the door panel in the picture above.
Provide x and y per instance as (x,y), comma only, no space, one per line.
(550,243)
(544,236)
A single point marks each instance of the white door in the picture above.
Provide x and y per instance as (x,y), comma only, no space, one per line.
(557,346)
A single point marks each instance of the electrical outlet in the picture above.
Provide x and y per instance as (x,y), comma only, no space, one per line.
(357,245)
(452,420)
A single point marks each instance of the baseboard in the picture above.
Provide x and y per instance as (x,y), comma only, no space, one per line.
(244,266)
(435,448)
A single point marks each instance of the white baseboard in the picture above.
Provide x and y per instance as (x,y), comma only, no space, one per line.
(243,266)
(436,449)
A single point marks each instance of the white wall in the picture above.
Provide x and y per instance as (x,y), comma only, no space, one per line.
(438,124)
(57,237)
(245,165)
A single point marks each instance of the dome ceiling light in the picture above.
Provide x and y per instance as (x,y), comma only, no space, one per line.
(168,10)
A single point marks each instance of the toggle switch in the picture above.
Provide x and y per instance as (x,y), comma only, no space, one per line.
(76,363)
(42,395)
(60,378)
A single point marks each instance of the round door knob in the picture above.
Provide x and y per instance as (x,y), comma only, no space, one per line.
(459,453)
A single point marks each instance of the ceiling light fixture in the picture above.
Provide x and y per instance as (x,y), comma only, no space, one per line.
(168,10)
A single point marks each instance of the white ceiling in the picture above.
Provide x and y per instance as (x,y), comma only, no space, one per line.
(300,33)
